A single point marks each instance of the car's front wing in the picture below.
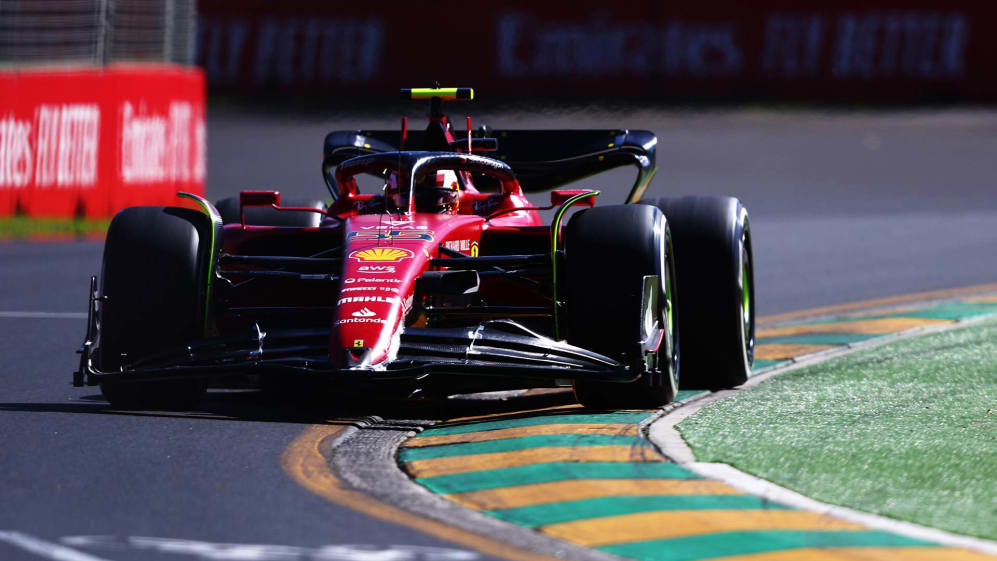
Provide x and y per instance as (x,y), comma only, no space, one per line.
(495,348)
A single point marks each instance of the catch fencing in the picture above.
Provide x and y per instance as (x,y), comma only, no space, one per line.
(96,32)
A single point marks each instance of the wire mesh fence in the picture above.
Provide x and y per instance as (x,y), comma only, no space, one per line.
(96,32)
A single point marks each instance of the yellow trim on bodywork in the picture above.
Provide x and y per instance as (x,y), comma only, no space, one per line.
(446,94)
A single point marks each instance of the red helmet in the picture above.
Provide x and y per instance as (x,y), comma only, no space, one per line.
(437,193)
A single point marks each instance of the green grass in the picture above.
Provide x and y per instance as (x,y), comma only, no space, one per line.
(14,227)
(907,430)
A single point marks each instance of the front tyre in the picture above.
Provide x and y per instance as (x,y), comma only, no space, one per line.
(155,266)
(619,285)
(712,237)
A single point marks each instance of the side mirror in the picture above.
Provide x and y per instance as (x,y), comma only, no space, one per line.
(259,198)
(560,196)
(256,198)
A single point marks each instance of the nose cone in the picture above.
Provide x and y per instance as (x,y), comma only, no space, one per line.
(375,294)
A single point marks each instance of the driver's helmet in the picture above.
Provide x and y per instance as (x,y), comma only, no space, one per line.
(435,193)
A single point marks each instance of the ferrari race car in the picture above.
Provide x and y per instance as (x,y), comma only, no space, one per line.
(430,273)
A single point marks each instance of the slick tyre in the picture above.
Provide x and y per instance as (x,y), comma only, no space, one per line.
(712,237)
(228,208)
(608,252)
(155,265)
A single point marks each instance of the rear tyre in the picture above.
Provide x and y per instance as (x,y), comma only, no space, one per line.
(154,269)
(608,252)
(228,208)
(712,237)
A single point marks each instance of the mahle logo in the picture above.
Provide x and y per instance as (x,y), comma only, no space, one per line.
(378,299)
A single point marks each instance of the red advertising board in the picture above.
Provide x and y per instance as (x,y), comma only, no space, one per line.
(88,142)
(845,50)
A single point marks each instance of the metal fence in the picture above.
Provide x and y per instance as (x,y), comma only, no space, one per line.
(96,32)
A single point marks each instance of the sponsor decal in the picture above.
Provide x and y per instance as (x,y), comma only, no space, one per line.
(393,235)
(381,299)
(387,254)
(352,280)
(363,313)
(59,147)
(391,289)
(161,147)
(395,225)
(527,46)
(489,205)
(325,50)
(360,320)
(460,245)
(376,269)
(358,342)
(466,246)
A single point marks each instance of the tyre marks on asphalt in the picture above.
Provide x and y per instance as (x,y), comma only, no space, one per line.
(590,479)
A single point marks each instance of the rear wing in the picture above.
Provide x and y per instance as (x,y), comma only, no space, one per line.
(541,159)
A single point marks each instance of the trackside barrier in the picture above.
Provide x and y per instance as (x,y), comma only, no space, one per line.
(89,142)
(883,51)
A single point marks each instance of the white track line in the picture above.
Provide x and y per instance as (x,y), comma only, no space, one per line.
(45,549)
(663,434)
(44,315)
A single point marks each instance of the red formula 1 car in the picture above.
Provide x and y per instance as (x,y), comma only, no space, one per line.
(440,279)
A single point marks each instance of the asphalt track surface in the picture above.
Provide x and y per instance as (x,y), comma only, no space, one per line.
(844,207)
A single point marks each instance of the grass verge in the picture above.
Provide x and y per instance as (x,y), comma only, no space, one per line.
(907,430)
(19,227)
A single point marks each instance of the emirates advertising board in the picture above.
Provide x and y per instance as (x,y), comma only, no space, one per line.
(850,51)
(88,142)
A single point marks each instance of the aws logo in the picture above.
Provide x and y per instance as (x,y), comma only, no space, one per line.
(382,254)
(376,269)
(395,235)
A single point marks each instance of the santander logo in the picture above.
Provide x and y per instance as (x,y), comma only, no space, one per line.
(363,313)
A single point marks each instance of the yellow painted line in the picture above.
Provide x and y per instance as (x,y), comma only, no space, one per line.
(865,326)
(516,432)
(479,462)
(865,554)
(578,489)
(783,351)
(305,463)
(880,303)
(659,525)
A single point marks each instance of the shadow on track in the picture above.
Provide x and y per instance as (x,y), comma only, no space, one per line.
(327,408)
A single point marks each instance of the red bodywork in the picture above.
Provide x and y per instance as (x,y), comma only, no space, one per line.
(441,277)
(383,255)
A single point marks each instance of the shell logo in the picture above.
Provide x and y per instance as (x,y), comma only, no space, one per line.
(381,254)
